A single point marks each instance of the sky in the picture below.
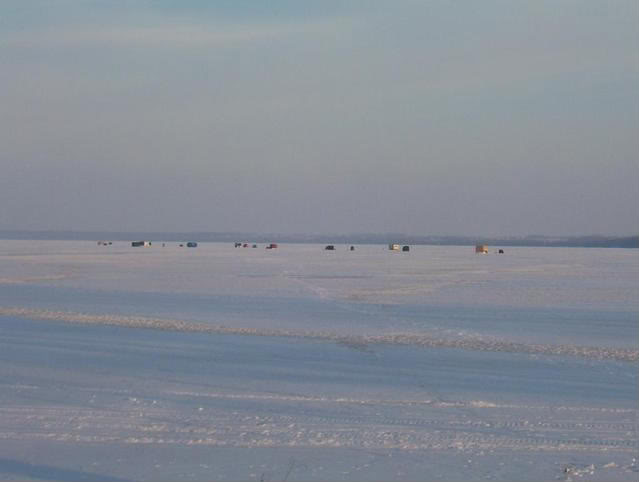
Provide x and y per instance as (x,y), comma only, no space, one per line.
(333,116)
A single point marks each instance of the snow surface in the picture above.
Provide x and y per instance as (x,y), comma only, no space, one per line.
(164,363)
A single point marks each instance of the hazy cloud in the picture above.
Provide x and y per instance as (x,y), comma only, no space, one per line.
(166,36)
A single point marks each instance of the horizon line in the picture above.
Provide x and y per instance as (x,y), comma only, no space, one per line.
(315,234)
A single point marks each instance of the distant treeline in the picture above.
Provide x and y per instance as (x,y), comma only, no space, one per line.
(593,241)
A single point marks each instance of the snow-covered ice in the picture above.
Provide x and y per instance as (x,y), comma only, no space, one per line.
(120,363)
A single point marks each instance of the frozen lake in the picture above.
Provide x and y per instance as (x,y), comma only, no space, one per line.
(120,363)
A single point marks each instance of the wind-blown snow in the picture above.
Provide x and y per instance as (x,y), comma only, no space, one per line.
(462,341)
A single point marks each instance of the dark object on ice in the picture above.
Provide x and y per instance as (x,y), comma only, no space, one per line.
(406,248)
(272,246)
(191,244)
(254,246)
(237,245)
(352,248)
(330,247)
(501,251)
(137,244)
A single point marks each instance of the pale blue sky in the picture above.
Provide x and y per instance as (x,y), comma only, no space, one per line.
(423,117)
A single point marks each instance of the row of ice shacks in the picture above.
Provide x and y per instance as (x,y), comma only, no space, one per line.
(147,244)
(246,245)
